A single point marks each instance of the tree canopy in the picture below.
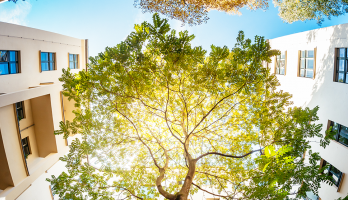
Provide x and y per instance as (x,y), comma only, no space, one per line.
(195,12)
(160,118)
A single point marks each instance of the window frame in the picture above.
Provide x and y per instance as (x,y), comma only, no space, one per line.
(336,67)
(17,62)
(305,61)
(26,147)
(279,58)
(341,175)
(337,136)
(21,108)
(75,61)
(54,62)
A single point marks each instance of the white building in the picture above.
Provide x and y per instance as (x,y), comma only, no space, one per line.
(31,107)
(313,67)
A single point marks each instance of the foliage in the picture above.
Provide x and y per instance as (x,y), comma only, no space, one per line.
(159,117)
(291,11)
(194,12)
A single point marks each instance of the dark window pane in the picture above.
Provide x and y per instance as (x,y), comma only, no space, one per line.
(44,56)
(71,57)
(3,56)
(13,68)
(302,72)
(51,65)
(309,73)
(309,64)
(335,127)
(44,66)
(310,54)
(342,52)
(343,138)
(341,65)
(303,63)
(4,68)
(13,56)
(340,77)
(303,54)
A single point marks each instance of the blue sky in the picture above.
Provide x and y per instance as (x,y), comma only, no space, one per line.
(107,22)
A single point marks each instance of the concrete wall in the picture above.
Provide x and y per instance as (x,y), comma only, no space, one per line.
(42,107)
(321,91)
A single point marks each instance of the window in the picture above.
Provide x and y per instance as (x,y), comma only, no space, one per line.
(48,61)
(335,174)
(307,64)
(73,61)
(20,110)
(341,133)
(26,147)
(341,66)
(281,63)
(9,62)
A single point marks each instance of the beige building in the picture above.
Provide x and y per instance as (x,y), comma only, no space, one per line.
(31,107)
(313,67)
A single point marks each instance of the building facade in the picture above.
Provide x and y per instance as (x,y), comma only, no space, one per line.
(32,106)
(313,68)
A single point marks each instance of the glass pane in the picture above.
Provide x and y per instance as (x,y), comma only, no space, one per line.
(44,66)
(302,72)
(335,127)
(346,78)
(13,56)
(3,56)
(340,77)
(342,52)
(282,70)
(283,55)
(343,135)
(310,54)
(71,57)
(13,68)
(75,57)
(4,68)
(303,63)
(309,73)
(44,56)
(51,56)
(71,65)
(303,54)
(341,65)
(76,65)
(51,65)
(310,63)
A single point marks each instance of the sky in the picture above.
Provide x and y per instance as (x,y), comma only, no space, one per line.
(108,22)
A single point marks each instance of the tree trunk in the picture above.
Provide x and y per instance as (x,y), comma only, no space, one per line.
(185,190)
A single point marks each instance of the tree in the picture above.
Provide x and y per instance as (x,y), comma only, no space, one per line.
(195,12)
(159,117)
(291,11)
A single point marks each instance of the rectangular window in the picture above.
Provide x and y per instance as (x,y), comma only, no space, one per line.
(8,62)
(48,61)
(341,133)
(281,63)
(341,65)
(73,61)
(307,64)
(26,147)
(20,110)
(333,172)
